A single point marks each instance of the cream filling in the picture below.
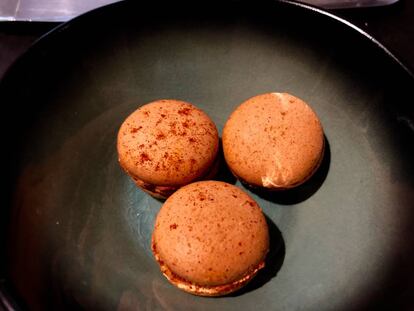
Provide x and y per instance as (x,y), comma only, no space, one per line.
(215,290)
(282,100)
(277,175)
(276,178)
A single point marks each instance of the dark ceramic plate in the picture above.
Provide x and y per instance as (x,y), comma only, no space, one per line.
(79,230)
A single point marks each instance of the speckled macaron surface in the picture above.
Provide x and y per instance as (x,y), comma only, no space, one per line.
(211,233)
(167,143)
(273,140)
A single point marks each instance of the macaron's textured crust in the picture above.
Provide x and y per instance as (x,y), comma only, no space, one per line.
(166,144)
(273,140)
(210,238)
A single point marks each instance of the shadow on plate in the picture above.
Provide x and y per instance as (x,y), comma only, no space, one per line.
(273,263)
(224,174)
(302,192)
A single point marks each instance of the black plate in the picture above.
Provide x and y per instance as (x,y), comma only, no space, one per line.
(78,230)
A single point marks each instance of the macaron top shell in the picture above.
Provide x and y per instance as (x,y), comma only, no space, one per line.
(167,143)
(211,233)
(273,140)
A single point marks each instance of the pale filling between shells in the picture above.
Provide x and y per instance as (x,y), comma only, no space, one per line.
(192,288)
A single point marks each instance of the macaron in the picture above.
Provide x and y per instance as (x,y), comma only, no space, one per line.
(274,141)
(210,238)
(167,144)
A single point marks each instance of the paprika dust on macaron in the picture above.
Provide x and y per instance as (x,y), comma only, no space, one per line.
(167,144)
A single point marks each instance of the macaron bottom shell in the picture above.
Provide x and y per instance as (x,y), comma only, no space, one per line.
(198,290)
(163,192)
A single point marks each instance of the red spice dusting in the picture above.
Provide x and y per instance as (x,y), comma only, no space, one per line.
(141,146)
(146,113)
(192,140)
(193,161)
(157,168)
(201,196)
(283,113)
(249,202)
(160,136)
(144,158)
(182,133)
(234,196)
(240,243)
(210,269)
(190,228)
(158,122)
(136,129)
(241,253)
(185,124)
(184,111)
(173,226)
(163,115)
(166,155)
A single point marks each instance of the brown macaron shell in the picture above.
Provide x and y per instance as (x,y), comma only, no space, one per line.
(273,140)
(167,144)
(210,238)
(163,192)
